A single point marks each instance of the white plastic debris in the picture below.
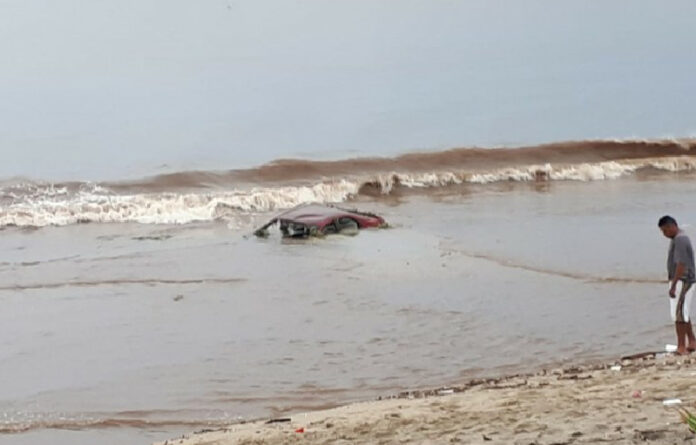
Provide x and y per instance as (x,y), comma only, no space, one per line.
(671,348)
(671,402)
(445,392)
(616,368)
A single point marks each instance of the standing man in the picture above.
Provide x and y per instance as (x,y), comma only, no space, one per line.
(682,276)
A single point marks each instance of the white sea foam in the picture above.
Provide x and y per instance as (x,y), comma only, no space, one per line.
(165,208)
(583,172)
(580,172)
(38,205)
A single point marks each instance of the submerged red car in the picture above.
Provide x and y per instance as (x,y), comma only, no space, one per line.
(318,220)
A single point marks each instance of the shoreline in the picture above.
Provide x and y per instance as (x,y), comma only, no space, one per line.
(618,402)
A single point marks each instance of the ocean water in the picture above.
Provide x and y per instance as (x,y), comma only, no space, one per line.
(521,153)
(135,332)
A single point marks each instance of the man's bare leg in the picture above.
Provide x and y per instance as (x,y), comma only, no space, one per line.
(681,338)
(691,345)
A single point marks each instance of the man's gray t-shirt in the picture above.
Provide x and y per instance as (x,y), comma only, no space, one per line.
(680,251)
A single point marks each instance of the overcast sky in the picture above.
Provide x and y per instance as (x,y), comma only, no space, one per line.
(109,89)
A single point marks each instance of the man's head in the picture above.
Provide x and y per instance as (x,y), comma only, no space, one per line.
(669,226)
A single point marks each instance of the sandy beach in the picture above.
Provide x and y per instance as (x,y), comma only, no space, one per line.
(596,403)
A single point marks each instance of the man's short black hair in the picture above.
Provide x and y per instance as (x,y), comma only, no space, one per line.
(666,220)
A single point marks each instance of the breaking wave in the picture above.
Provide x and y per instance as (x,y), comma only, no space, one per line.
(188,197)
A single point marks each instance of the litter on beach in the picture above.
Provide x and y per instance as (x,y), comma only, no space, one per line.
(445,392)
(616,368)
(670,348)
(279,420)
(671,402)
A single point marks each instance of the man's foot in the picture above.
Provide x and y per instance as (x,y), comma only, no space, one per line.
(682,351)
(691,347)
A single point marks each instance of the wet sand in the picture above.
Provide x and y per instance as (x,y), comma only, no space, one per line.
(588,404)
